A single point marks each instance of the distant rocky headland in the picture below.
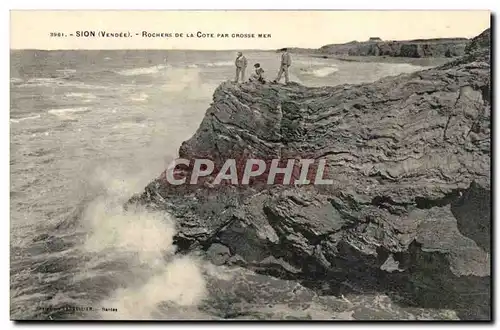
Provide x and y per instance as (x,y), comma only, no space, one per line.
(375,46)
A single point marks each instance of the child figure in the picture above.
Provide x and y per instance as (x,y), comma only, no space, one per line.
(258,75)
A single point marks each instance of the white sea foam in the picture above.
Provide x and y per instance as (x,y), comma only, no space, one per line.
(68,112)
(85,97)
(143,71)
(80,95)
(220,64)
(127,125)
(79,84)
(42,80)
(181,283)
(391,69)
(16,80)
(312,62)
(187,84)
(322,72)
(52,82)
(66,70)
(146,239)
(18,120)
(139,97)
(34,82)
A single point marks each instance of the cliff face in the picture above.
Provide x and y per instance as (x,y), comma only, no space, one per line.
(408,210)
(410,48)
(481,41)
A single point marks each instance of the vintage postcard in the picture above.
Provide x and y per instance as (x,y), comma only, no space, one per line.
(250,165)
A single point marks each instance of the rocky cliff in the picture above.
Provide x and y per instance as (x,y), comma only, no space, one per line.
(450,47)
(480,42)
(408,213)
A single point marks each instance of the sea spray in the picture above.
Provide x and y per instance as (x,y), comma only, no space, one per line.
(186,83)
(140,242)
(180,283)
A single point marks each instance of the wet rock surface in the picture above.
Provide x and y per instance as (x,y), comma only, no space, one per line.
(407,216)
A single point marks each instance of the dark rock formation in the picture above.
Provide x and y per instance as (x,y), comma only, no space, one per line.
(407,213)
(446,47)
(481,41)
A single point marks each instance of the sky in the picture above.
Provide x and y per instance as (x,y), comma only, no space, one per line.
(307,29)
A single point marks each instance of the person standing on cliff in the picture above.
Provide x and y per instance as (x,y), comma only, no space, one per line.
(241,65)
(286,61)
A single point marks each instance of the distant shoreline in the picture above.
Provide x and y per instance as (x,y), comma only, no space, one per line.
(423,61)
(423,52)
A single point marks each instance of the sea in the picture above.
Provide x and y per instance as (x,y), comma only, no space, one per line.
(88,129)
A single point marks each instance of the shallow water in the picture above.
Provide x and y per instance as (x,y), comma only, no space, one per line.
(88,130)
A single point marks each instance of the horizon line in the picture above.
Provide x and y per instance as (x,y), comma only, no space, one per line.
(251,49)
(159,49)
